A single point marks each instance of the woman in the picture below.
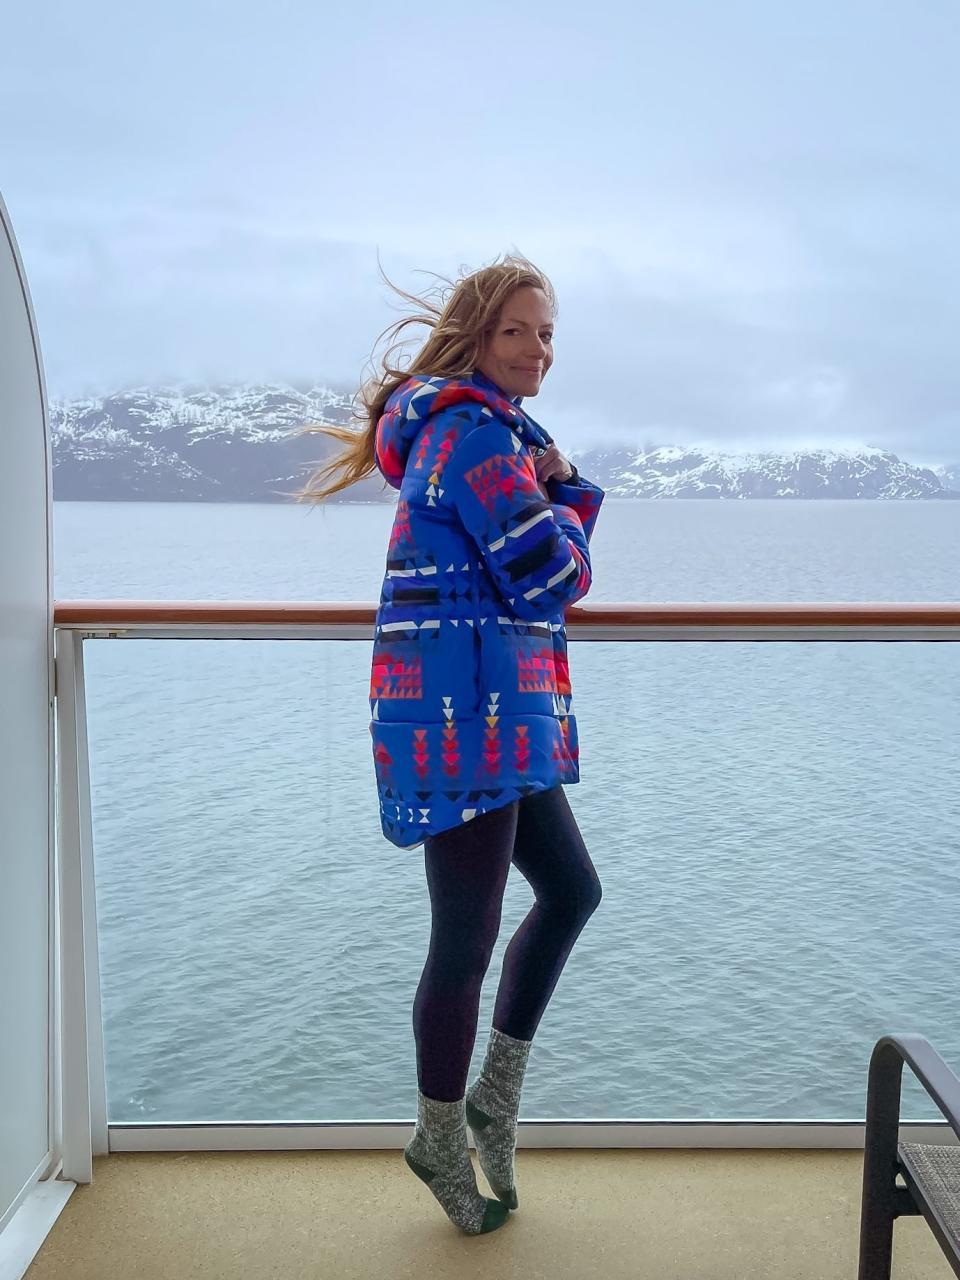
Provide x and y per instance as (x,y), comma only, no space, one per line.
(471,718)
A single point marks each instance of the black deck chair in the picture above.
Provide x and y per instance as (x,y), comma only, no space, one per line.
(931,1173)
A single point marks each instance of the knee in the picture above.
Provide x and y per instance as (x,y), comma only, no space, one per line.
(475,958)
(580,902)
(592,896)
(463,959)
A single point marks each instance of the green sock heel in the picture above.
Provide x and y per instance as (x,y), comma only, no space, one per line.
(440,1157)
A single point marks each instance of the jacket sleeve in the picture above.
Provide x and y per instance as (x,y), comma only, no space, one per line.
(582,495)
(536,551)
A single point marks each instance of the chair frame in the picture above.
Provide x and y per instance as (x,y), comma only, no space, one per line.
(883,1200)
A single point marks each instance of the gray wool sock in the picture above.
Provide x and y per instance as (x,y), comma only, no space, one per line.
(492,1104)
(438,1154)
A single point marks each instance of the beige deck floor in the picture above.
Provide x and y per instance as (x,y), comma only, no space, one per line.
(689,1215)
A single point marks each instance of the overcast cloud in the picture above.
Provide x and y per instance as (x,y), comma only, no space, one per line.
(750,211)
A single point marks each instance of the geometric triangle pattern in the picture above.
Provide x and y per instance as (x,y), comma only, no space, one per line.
(471,705)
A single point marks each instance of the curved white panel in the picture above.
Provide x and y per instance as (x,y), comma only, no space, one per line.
(26,737)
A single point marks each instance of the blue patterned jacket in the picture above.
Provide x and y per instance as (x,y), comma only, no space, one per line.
(470,696)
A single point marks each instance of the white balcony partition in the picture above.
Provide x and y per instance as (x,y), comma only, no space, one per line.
(28,986)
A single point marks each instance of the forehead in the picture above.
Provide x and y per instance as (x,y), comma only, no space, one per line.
(528,306)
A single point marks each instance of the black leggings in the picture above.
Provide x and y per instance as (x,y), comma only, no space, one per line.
(467,870)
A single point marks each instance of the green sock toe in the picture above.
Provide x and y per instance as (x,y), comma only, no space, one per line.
(438,1154)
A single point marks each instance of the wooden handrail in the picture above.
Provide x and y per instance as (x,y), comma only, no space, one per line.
(99,613)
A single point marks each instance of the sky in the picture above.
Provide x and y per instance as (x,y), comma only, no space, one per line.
(750,211)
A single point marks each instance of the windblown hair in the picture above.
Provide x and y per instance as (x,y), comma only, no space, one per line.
(461,321)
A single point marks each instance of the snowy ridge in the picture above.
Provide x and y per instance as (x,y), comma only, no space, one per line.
(225,443)
(672,472)
(237,443)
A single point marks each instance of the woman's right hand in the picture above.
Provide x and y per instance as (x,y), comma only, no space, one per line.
(550,463)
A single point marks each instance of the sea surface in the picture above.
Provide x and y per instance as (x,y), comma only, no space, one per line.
(776,826)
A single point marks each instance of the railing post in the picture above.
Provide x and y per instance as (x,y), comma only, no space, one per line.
(82,1081)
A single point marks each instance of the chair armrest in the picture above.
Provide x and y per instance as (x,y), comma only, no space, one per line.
(927,1065)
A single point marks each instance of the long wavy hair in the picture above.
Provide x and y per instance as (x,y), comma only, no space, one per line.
(461,321)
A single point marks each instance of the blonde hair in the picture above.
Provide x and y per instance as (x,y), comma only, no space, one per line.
(460,328)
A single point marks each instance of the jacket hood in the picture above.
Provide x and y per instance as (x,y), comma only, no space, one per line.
(420,396)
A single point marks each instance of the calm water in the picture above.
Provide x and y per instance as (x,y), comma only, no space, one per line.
(776,826)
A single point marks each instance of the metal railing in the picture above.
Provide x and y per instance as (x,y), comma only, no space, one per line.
(85,1129)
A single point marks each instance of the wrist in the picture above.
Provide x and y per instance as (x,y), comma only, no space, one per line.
(572,478)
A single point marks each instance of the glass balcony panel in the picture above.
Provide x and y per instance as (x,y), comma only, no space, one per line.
(775,826)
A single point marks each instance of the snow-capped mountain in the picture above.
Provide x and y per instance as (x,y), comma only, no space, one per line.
(202,444)
(235,444)
(813,473)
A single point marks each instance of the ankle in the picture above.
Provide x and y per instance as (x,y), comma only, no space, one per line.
(437,1116)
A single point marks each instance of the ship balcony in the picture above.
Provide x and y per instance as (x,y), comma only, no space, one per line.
(232,1076)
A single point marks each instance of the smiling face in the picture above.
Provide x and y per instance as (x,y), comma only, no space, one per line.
(519,350)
